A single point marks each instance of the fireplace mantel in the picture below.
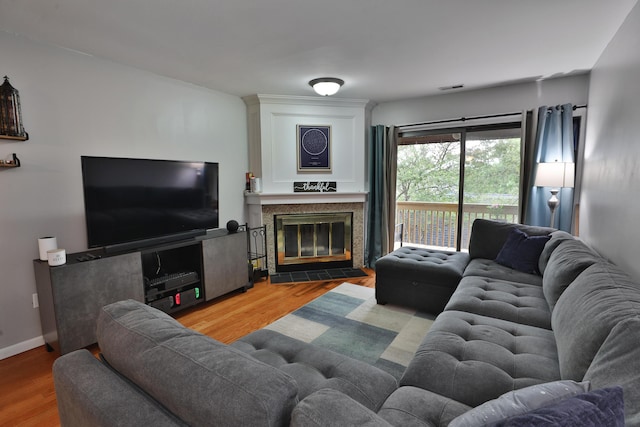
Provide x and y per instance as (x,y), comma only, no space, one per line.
(303,198)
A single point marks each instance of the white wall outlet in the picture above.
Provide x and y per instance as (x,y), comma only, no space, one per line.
(36,304)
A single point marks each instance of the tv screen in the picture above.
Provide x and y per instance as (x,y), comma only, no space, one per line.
(132,200)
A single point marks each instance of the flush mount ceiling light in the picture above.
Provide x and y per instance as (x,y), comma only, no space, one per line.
(326,86)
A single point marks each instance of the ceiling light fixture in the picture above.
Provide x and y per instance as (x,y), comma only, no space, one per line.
(326,86)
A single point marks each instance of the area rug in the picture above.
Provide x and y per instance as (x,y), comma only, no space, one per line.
(311,275)
(347,320)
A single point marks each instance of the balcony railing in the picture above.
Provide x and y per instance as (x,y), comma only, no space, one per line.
(435,224)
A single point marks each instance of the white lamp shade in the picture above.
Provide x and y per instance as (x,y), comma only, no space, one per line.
(556,174)
(326,86)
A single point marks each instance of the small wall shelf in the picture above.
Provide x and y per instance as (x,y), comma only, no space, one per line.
(15,163)
(15,138)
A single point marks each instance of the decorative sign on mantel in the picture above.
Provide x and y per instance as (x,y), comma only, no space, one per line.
(314,187)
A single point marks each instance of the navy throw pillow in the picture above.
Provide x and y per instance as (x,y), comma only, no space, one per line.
(597,408)
(521,251)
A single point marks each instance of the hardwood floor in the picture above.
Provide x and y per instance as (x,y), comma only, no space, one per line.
(27,395)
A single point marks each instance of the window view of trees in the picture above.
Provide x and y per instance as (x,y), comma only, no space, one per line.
(429,181)
(430,172)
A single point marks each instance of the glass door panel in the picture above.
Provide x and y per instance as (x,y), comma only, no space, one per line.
(427,189)
(491,177)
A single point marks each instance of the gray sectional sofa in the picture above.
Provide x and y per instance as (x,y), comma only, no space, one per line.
(154,371)
(503,334)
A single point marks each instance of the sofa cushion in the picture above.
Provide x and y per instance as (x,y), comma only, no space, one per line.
(423,264)
(490,268)
(556,238)
(513,301)
(413,406)
(192,375)
(488,236)
(330,408)
(472,358)
(598,408)
(89,394)
(600,297)
(617,363)
(419,278)
(521,251)
(570,258)
(315,368)
(519,402)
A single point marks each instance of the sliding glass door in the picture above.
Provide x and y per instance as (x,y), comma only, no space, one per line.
(428,189)
(491,185)
(447,179)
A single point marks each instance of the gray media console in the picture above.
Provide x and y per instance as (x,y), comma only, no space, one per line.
(170,277)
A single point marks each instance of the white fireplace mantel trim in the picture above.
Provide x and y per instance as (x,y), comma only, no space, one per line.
(303,198)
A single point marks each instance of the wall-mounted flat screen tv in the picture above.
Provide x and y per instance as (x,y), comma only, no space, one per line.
(137,202)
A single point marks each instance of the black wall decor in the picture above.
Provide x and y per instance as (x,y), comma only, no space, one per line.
(11,113)
(314,148)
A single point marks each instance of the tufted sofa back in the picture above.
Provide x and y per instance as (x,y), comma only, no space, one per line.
(596,322)
(488,236)
(195,377)
(570,258)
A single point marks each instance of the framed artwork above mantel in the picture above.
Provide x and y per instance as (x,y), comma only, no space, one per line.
(313,148)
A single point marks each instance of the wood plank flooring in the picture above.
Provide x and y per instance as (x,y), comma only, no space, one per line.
(27,395)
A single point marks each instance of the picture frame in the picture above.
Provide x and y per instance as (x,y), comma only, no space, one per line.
(314,148)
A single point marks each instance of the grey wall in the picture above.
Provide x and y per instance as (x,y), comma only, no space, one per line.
(497,100)
(610,202)
(73,105)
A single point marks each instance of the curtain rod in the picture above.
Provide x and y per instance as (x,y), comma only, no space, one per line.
(461,119)
(574,107)
(464,119)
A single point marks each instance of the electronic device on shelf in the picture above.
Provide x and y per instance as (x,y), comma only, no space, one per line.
(170,281)
(136,203)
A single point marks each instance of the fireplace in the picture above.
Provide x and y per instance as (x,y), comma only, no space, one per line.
(312,241)
(263,209)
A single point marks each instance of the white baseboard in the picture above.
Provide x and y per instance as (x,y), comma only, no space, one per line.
(21,347)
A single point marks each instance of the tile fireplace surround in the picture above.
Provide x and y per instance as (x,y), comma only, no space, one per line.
(263,208)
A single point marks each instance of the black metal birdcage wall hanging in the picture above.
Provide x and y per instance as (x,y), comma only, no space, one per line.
(10,113)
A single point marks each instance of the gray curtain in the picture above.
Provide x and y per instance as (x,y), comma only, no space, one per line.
(382,193)
(554,142)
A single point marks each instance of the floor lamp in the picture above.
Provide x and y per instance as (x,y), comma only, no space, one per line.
(555,175)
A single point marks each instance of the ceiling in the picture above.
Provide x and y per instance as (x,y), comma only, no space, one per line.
(383,50)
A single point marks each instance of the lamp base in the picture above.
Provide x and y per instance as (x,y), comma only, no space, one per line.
(553,203)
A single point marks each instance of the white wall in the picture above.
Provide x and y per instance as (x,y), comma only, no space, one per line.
(73,105)
(496,100)
(273,122)
(610,200)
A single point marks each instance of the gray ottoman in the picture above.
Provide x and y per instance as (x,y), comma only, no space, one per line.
(419,278)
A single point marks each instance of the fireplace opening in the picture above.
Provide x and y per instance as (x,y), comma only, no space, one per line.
(313,241)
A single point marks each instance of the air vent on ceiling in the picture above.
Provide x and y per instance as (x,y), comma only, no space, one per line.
(459,86)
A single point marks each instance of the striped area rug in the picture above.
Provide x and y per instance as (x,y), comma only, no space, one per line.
(347,320)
